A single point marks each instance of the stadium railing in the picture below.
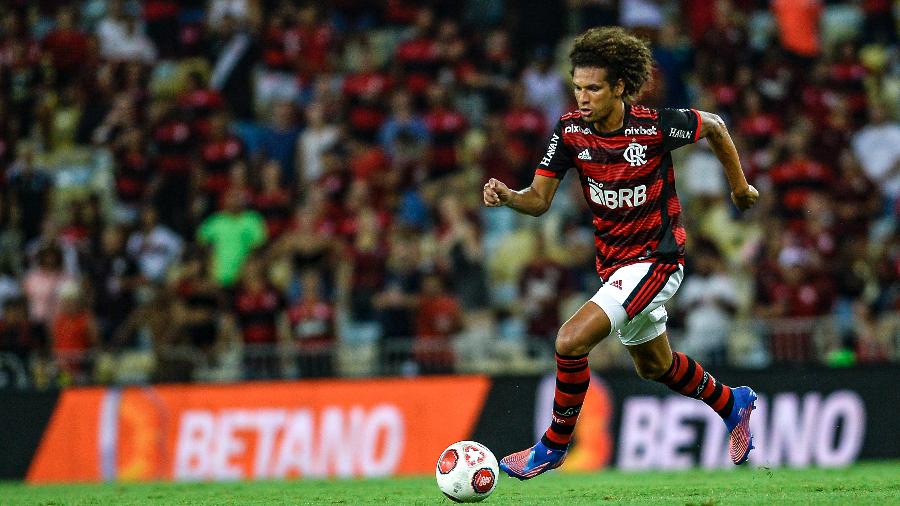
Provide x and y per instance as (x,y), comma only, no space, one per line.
(752,344)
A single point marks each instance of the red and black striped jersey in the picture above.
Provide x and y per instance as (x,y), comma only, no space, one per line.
(628,181)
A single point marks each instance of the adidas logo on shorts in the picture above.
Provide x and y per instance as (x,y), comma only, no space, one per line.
(617,283)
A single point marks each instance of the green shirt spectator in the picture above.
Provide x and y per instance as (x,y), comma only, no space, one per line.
(233,234)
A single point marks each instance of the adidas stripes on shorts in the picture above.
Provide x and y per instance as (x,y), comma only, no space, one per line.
(634,299)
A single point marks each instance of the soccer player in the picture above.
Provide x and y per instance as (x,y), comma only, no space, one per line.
(621,152)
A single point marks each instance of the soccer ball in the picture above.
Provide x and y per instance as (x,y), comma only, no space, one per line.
(467,472)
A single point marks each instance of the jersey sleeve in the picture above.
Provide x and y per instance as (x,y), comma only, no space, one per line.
(557,158)
(680,127)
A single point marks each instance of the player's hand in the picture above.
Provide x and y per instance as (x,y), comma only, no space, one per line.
(496,193)
(745,198)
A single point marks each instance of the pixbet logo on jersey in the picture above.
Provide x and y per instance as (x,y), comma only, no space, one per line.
(614,199)
(575,129)
(641,130)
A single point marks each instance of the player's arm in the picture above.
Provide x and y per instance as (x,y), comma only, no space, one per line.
(713,129)
(534,200)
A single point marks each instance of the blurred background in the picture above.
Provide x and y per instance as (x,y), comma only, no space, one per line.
(224,190)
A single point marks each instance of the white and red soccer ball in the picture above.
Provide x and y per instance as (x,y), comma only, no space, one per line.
(467,472)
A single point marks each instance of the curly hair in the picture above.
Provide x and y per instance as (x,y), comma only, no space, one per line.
(624,56)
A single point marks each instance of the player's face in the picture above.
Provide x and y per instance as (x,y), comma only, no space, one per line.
(595,97)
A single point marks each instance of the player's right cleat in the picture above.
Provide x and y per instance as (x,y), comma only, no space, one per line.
(740,440)
(533,461)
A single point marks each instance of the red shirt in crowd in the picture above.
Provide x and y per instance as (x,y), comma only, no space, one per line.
(218,155)
(68,49)
(257,312)
(312,324)
(275,208)
(173,142)
(439,318)
(447,126)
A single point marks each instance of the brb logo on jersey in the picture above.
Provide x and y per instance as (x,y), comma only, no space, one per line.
(614,199)
(575,129)
(636,154)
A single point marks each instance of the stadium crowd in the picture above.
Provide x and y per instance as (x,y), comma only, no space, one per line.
(226,189)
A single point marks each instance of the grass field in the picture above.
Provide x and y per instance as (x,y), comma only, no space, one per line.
(870,483)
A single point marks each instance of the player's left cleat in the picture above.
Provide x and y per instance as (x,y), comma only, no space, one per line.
(533,461)
(740,440)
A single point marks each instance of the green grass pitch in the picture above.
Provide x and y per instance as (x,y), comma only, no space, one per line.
(869,483)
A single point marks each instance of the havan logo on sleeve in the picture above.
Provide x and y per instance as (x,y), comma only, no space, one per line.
(551,150)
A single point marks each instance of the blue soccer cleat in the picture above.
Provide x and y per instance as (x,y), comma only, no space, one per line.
(738,422)
(533,461)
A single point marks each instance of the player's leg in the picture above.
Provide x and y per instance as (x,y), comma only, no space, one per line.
(654,360)
(576,338)
(646,340)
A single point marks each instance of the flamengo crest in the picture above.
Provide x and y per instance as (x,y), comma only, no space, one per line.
(635,154)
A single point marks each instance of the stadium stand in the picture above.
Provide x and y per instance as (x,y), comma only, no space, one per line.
(248,189)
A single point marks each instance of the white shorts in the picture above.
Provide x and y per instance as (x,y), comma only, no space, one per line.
(634,296)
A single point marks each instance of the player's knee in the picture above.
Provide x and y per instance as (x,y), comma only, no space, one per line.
(651,368)
(570,341)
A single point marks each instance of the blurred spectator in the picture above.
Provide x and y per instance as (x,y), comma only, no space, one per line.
(115,278)
(232,235)
(11,241)
(674,56)
(241,12)
(311,43)
(173,162)
(219,153)
(273,201)
(402,122)
(233,53)
(709,301)
(877,146)
(318,137)
(67,45)
(310,241)
(278,141)
(312,328)
(257,308)
(439,319)
(154,246)
(543,284)
(366,265)
(396,303)
(30,189)
(446,127)
(418,54)
(798,176)
(18,335)
(798,25)
(196,334)
(161,17)
(43,282)
(524,122)
(460,255)
(857,201)
(797,293)
(122,36)
(544,87)
(133,171)
(74,334)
